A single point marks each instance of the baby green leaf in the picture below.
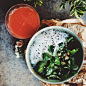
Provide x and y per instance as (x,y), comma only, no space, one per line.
(49,71)
(57,61)
(75,72)
(51,49)
(68,40)
(54,76)
(72,60)
(46,56)
(69,62)
(54,73)
(56,67)
(66,67)
(60,44)
(40,66)
(66,74)
(73,51)
(74,67)
(52,65)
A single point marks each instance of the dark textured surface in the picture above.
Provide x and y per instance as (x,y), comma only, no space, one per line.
(13,71)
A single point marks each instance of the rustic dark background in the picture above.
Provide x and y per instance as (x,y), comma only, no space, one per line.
(13,71)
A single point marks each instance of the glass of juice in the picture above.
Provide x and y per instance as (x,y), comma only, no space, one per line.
(22,21)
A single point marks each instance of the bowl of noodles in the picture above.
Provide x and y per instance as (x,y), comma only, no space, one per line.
(55,54)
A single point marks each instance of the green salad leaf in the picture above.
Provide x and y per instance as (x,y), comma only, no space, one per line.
(74,67)
(46,56)
(49,71)
(73,51)
(57,61)
(40,66)
(59,66)
(69,39)
(51,49)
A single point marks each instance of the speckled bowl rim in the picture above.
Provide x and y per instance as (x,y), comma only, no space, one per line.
(27,53)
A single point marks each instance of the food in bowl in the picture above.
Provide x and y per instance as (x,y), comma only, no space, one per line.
(52,54)
(22,21)
(58,66)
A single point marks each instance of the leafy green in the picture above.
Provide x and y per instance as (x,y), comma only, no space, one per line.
(57,61)
(40,66)
(46,56)
(35,2)
(75,72)
(66,74)
(52,65)
(69,39)
(75,5)
(49,71)
(74,67)
(73,51)
(54,76)
(51,49)
(57,67)
(60,44)
(72,60)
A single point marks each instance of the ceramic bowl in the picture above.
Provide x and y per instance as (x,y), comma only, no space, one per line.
(78,61)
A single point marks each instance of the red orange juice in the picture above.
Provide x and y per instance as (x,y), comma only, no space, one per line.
(22,21)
